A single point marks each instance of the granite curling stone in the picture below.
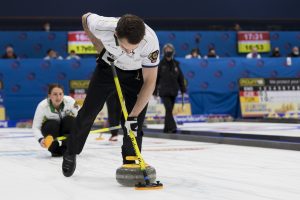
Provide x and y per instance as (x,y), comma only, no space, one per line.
(130,174)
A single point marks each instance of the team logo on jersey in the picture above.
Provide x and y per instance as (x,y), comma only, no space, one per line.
(153,56)
(76,105)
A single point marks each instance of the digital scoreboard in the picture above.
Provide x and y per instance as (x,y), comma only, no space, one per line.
(270,98)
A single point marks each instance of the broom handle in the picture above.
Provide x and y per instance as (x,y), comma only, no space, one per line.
(102,130)
(131,134)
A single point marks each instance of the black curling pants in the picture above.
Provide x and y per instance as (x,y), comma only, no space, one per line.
(170,124)
(101,86)
(57,128)
(114,111)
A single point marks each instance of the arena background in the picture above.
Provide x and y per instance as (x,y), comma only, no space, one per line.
(238,133)
(176,14)
(212,84)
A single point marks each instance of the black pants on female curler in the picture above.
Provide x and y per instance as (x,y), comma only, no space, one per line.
(57,128)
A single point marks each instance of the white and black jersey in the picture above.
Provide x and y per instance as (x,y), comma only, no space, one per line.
(145,55)
(46,111)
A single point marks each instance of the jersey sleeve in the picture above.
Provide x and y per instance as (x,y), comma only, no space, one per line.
(150,55)
(100,26)
(37,122)
(72,105)
(75,107)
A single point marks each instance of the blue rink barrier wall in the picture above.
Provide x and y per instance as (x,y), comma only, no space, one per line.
(34,44)
(25,82)
(212,83)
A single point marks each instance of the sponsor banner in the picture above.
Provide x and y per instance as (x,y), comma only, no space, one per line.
(78,90)
(156,109)
(1,98)
(249,39)
(79,42)
(2,113)
(190,118)
(2,108)
(4,124)
(271,98)
(15,123)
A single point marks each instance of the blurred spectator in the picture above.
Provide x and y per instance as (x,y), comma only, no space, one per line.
(195,53)
(169,80)
(253,53)
(51,54)
(9,53)
(276,52)
(237,27)
(47,27)
(295,52)
(211,54)
(73,55)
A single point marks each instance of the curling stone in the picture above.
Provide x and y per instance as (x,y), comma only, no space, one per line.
(130,174)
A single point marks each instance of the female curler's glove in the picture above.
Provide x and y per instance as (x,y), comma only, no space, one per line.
(131,124)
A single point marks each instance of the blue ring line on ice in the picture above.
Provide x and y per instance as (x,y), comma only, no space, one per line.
(176,149)
(16,137)
(19,153)
(32,152)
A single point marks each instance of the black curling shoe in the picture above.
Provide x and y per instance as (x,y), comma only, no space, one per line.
(69,164)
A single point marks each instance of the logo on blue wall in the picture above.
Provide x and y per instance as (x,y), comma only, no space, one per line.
(37,47)
(232,85)
(23,56)
(203,63)
(211,46)
(44,88)
(231,63)
(23,36)
(245,74)
(225,36)
(260,63)
(51,36)
(31,76)
(227,54)
(64,47)
(172,36)
(190,74)
(198,38)
(218,74)
(275,36)
(287,46)
(61,76)
(204,85)
(75,64)
(185,46)
(45,64)
(15,65)
(16,88)
(273,74)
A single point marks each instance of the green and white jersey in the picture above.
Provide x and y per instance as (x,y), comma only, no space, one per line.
(46,111)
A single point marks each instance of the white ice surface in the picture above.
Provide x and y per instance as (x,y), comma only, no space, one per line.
(278,129)
(188,170)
